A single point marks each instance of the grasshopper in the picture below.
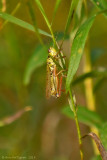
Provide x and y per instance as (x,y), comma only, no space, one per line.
(53,85)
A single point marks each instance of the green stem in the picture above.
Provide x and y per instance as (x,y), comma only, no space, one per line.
(72,106)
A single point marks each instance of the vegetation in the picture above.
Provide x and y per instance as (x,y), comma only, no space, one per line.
(32,127)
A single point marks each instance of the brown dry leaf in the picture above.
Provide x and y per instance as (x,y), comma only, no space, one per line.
(12,118)
(100,147)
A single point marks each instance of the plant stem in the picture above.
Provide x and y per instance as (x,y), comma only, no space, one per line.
(73,108)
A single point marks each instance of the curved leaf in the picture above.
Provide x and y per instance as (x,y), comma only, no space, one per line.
(77,49)
(92,74)
(21,23)
(99,83)
(46,19)
(33,18)
(101,5)
(38,58)
(43,12)
(55,10)
(73,6)
(85,116)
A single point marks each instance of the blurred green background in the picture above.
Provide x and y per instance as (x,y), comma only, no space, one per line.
(44,132)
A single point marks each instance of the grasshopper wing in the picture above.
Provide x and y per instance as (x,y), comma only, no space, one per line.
(48,83)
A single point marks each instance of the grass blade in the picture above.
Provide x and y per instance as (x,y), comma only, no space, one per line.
(33,17)
(12,13)
(73,6)
(77,49)
(55,10)
(38,59)
(21,23)
(99,84)
(92,74)
(42,11)
(85,116)
(46,19)
(101,5)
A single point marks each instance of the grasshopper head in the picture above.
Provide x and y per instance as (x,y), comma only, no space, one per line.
(52,52)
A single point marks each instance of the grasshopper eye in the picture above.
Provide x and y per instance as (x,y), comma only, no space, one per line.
(49,50)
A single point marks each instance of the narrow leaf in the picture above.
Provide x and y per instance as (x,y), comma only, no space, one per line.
(55,10)
(99,83)
(73,6)
(42,11)
(33,17)
(85,116)
(79,9)
(38,59)
(77,49)
(101,5)
(92,74)
(21,23)
(12,13)
(46,19)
